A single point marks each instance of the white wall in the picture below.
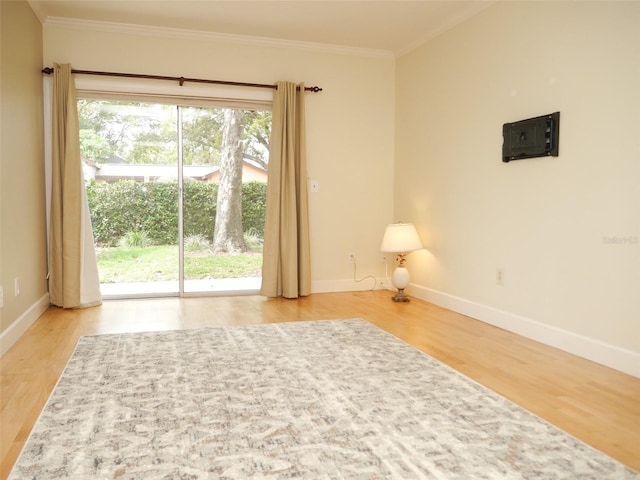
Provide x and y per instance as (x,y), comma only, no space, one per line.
(564,230)
(22,218)
(548,222)
(349,125)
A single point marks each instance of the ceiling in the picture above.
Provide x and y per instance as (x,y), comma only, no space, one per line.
(394,26)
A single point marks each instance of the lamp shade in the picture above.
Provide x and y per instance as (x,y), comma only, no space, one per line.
(400,238)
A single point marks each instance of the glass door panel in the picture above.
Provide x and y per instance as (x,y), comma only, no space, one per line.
(225,155)
(129,155)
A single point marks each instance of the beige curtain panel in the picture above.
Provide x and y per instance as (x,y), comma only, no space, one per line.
(73,271)
(286,269)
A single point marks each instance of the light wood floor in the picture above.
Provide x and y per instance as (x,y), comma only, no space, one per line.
(596,404)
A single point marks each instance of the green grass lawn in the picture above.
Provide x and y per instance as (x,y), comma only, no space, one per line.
(160,262)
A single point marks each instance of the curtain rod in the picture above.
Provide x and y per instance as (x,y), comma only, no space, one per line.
(181,80)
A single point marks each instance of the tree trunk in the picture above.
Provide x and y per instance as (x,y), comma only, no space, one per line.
(228,235)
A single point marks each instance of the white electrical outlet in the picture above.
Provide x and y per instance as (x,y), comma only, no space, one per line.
(500,276)
(1,297)
(352,257)
(17,286)
(383,258)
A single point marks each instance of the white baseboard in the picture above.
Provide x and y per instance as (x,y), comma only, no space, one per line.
(620,359)
(12,334)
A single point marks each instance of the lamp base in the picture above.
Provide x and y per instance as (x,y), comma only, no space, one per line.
(400,296)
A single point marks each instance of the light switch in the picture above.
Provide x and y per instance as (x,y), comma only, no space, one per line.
(314,186)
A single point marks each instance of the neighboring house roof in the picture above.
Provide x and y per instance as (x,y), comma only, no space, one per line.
(116,159)
(110,171)
(153,173)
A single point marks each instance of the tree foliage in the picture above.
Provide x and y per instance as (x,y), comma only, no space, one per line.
(202,135)
(257,135)
(139,133)
(147,134)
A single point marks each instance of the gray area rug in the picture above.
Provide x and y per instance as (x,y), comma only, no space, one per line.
(305,400)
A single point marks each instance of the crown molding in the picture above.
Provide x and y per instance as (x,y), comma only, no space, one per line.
(166,32)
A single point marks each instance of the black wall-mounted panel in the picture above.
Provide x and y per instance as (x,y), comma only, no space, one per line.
(530,138)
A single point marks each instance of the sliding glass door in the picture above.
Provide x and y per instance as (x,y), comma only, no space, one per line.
(225,155)
(177,196)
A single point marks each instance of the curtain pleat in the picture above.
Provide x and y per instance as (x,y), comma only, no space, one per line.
(73,271)
(286,269)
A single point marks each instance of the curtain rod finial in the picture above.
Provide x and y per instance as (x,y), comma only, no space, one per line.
(47,70)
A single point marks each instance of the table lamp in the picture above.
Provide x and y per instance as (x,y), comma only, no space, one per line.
(400,238)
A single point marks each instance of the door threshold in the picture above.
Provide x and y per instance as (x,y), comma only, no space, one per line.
(192,288)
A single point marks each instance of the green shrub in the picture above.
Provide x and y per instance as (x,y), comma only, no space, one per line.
(253,240)
(158,211)
(254,207)
(199,201)
(135,239)
(196,242)
(128,206)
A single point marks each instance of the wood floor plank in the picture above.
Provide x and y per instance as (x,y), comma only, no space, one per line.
(594,403)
